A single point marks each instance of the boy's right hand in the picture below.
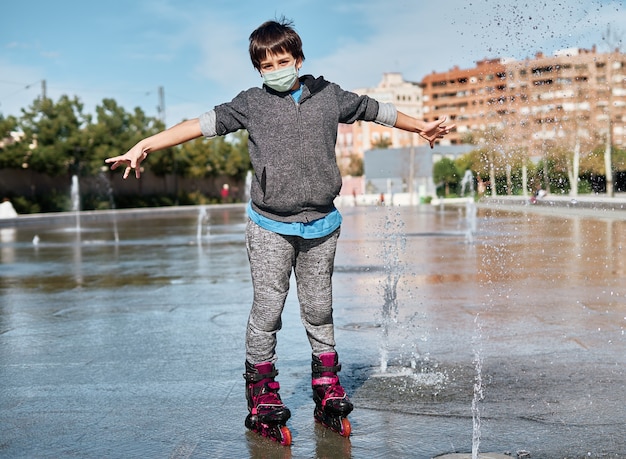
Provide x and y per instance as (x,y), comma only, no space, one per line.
(182,132)
(131,159)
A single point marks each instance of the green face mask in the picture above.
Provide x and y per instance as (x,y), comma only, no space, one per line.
(281,80)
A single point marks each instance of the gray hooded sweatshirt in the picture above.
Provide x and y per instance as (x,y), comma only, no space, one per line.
(292,145)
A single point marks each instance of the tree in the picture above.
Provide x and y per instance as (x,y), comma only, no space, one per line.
(12,151)
(238,163)
(115,131)
(493,140)
(557,164)
(446,173)
(216,157)
(56,132)
(352,165)
(381,143)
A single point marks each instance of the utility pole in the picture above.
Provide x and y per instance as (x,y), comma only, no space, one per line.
(43,90)
(161,107)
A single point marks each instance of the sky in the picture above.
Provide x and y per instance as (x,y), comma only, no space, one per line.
(197,50)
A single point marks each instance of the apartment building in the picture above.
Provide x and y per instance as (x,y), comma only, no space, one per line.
(571,96)
(362,136)
(470,98)
(575,95)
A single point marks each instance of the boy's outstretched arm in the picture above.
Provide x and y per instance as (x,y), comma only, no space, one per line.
(430,131)
(180,133)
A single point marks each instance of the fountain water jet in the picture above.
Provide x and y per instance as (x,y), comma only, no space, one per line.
(467,183)
(248,184)
(202,218)
(408,371)
(75,197)
(478,390)
(421,376)
(471,212)
(109,192)
(391,256)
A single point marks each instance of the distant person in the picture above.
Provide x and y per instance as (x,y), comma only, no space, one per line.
(293,224)
(539,194)
(224,192)
(6,209)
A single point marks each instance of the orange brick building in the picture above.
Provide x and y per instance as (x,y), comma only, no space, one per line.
(575,94)
(471,98)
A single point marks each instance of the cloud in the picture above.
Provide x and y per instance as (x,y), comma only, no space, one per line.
(17,45)
(354,43)
(223,56)
(50,54)
(416,40)
(208,45)
(198,50)
(412,41)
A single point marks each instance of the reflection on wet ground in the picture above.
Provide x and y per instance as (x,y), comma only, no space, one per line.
(134,347)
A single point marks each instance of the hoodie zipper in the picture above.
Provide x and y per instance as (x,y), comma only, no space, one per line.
(302,153)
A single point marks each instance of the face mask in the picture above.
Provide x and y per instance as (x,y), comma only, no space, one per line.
(281,80)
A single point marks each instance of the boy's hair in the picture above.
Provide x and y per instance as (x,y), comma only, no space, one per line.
(273,37)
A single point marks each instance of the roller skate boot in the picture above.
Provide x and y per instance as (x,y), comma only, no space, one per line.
(268,414)
(332,405)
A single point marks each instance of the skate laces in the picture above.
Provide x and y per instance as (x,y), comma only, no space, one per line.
(267,397)
(331,387)
(334,391)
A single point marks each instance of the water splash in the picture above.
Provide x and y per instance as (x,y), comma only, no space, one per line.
(471,212)
(478,388)
(393,244)
(246,196)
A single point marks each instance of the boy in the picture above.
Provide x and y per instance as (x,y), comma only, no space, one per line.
(293,224)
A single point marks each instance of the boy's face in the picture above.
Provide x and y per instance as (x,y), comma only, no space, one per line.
(273,62)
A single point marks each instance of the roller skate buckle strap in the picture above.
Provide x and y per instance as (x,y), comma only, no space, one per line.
(254,377)
(317,367)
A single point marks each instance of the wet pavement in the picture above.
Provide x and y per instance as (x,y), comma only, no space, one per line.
(121,335)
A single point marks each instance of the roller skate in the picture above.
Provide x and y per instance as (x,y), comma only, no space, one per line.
(332,405)
(268,414)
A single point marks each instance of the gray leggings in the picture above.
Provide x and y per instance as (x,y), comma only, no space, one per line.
(272,258)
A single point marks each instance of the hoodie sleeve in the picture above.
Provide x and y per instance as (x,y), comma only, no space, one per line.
(387,114)
(353,107)
(207,124)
